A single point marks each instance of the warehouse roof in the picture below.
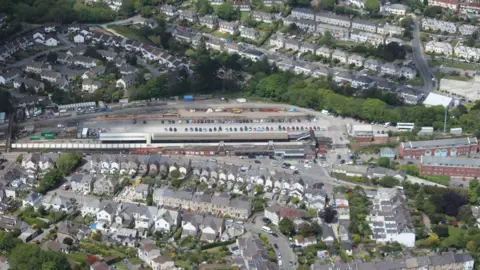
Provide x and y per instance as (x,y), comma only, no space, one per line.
(440,143)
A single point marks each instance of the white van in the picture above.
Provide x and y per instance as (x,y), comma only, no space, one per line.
(267,229)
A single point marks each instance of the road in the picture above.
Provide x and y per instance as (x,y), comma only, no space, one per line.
(282,242)
(29,59)
(420,61)
(132,20)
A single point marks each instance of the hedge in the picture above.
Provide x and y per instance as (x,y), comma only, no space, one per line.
(217,244)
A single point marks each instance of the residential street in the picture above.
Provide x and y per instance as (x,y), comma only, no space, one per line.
(67,44)
(283,243)
(420,61)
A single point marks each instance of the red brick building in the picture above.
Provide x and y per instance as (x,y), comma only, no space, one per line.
(450,166)
(438,148)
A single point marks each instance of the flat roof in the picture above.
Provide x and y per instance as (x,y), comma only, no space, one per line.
(362,128)
(437,100)
(221,136)
(123,136)
(450,161)
(440,143)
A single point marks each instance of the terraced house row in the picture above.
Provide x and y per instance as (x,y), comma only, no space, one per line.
(222,205)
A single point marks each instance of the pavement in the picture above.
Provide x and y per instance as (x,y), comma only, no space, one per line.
(420,61)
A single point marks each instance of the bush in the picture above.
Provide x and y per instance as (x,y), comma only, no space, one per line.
(175,173)
(441,231)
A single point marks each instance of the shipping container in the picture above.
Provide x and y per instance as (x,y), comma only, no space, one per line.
(43,133)
(49,137)
(35,138)
(187,98)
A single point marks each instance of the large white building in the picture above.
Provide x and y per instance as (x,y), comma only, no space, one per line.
(390,219)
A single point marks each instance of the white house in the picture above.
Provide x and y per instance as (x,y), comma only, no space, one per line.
(167,220)
(33,199)
(126,81)
(90,86)
(79,38)
(51,41)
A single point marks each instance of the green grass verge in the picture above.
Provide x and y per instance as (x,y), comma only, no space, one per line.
(467,66)
(183,264)
(457,78)
(439,179)
(130,33)
(418,81)
(453,234)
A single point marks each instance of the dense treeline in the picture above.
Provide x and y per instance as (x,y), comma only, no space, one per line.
(57,11)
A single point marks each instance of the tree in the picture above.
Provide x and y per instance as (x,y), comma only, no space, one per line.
(175,173)
(19,159)
(228,12)
(295,200)
(329,214)
(27,256)
(150,199)
(67,162)
(389,182)
(372,6)
(286,226)
(316,229)
(203,7)
(472,246)
(258,189)
(5,100)
(52,57)
(305,230)
(356,239)
(384,162)
(432,240)
(68,241)
(8,241)
(327,38)
(131,59)
(432,11)
(91,52)
(472,191)
(22,88)
(51,179)
(327,4)
(96,235)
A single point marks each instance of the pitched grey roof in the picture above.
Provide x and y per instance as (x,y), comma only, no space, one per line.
(440,143)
